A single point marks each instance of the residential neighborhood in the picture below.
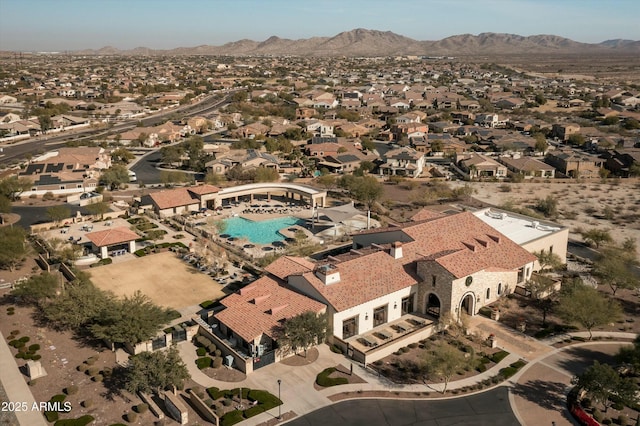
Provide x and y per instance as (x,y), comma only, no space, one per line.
(266,238)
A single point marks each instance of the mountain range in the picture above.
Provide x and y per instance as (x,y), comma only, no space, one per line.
(363,42)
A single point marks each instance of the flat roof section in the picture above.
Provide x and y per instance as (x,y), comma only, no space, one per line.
(518,228)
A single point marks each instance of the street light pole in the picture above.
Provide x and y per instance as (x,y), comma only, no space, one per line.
(279,405)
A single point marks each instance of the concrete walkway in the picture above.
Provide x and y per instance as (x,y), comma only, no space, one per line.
(300,397)
(16,387)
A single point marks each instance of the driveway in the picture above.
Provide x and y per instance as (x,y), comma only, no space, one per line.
(489,408)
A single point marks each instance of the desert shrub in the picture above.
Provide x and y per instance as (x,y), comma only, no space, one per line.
(253,411)
(131,416)
(231,418)
(204,362)
(82,368)
(404,349)
(499,356)
(481,368)
(98,378)
(48,196)
(218,353)
(90,361)
(485,311)
(92,371)
(18,344)
(215,393)
(623,420)
(217,362)
(324,380)
(617,406)
(413,345)
(107,371)
(51,416)
(201,351)
(142,408)
(34,347)
(15,332)
(227,402)
(32,382)
(87,403)
(80,421)
(71,390)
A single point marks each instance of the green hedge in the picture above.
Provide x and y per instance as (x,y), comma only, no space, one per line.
(80,421)
(204,362)
(325,381)
(174,315)
(231,418)
(215,393)
(508,372)
(253,411)
(236,391)
(140,252)
(105,261)
(485,311)
(206,304)
(201,351)
(499,356)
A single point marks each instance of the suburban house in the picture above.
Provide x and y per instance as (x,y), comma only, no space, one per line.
(619,162)
(563,131)
(528,167)
(574,165)
(66,170)
(481,166)
(402,162)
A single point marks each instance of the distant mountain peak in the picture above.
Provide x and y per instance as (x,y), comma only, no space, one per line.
(367,42)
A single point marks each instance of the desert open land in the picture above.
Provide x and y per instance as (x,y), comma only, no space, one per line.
(581,205)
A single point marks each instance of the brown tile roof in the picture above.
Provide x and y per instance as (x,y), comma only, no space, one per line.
(461,243)
(260,307)
(425,214)
(365,278)
(204,189)
(112,236)
(289,265)
(173,198)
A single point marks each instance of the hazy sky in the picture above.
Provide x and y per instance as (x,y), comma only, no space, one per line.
(57,25)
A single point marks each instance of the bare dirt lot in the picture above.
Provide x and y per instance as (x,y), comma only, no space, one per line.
(165,278)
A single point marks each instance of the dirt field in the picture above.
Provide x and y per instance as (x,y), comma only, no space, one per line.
(165,278)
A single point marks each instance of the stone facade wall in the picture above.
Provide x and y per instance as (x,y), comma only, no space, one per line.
(451,291)
(557,240)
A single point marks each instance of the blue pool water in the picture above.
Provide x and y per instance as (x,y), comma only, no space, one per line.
(259,232)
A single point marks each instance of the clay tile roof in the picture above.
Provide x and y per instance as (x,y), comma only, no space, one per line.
(261,309)
(112,236)
(425,214)
(289,265)
(365,278)
(204,189)
(173,198)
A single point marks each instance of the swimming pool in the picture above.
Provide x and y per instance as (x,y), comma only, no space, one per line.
(259,232)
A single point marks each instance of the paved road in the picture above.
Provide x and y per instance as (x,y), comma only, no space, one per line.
(487,408)
(145,169)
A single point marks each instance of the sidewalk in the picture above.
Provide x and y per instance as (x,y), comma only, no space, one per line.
(16,387)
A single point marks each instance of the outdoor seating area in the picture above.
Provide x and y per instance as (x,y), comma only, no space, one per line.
(277,208)
(388,333)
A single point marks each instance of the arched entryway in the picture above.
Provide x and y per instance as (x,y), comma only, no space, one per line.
(433,305)
(467,304)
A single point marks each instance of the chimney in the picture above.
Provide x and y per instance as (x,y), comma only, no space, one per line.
(328,274)
(396,250)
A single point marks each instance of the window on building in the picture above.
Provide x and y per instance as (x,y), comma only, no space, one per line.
(551,249)
(433,280)
(380,315)
(520,275)
(488,293)
(499,289)
(407,304)
(349,327)
(62,187)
